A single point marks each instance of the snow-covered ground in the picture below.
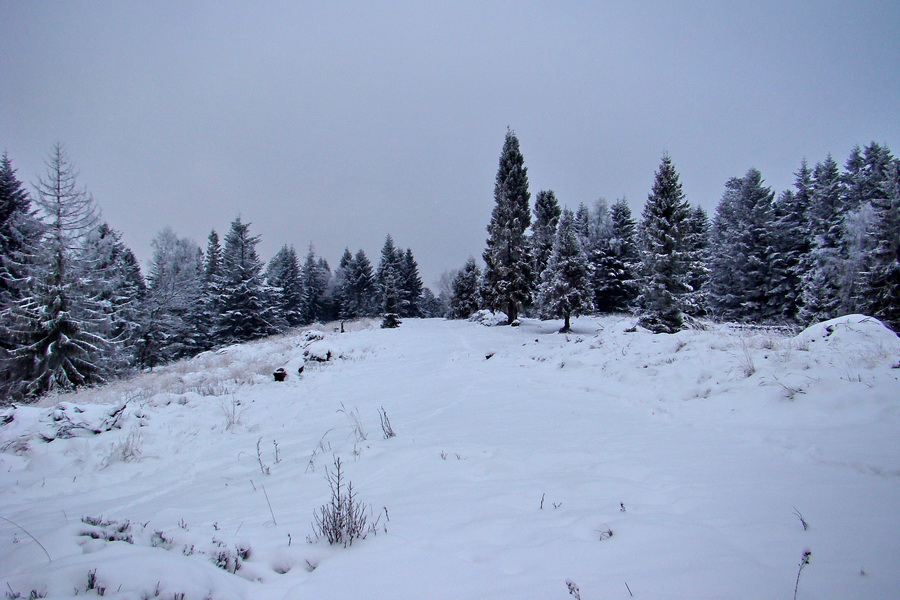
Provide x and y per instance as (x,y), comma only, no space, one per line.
(626,463)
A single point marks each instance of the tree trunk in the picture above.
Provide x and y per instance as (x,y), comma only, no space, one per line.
(512,312)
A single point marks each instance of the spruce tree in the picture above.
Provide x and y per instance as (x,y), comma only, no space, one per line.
(664,253)
(508,275)
(111,276)
(791,243)
(466,297)
(314,277)
(19,231)
(883,277)
(615,260)
(823,266)
(207,309)
(169,328)
(566,282)
(864,180)
(743,253)
(698,227)
(246,310)
(390,299)
(390,259)
(431,305)
(362,290)
(410,285)
(543,229)
(342,284)
(284,280)
(56,325)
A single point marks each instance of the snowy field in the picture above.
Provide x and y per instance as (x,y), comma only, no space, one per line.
(692,466)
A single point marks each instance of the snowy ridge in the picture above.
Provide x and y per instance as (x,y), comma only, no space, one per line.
(673,466)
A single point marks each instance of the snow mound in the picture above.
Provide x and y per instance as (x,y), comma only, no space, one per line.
(853,334)
(488,318)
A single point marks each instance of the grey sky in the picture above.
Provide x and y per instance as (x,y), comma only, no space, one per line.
(339,122)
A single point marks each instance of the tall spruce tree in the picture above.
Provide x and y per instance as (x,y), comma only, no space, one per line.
(57,326)
(247,312)
(791,242)
(111,275)
(864,179)
(614,259)
(20,233)
(664,252)
(508,274)
(566,282)
(883,277)
(314,277)
(342,283)
(362,289)
(390,298)
(207,309)
(174,291)
(698,227)
(284,280)
(390,258)
(743,253)
(466,296)
(410,285)
(543,229)
(823,266)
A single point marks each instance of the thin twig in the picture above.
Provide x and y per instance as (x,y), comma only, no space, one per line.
(274,522)
(29,535)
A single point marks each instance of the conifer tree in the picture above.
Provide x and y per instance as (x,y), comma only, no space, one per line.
(111,276)
(465,299)
(56,325)
(391,258)
(743,253)
(543,230)
(246,310)
(390,299)
(20,233)
(410,285)
(284,280)
(883,276)
(583,226)
(614,261)
(508,274)
(823,266)
(863,183)
(431,305)
(207,310)
(342,283)
(664,258)
(566,282)
(698,227)
(169,330)
(792,242)
(362,291)
(314,277)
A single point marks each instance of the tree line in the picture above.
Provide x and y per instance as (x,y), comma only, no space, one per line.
(827,247)
(76,309)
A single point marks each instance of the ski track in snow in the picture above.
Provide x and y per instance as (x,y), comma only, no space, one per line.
(518,452)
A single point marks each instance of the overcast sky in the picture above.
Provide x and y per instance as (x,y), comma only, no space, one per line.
(336,123)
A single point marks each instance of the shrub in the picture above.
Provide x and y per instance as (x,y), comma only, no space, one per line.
(344,518)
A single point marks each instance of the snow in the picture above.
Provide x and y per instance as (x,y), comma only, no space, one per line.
(518,452)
